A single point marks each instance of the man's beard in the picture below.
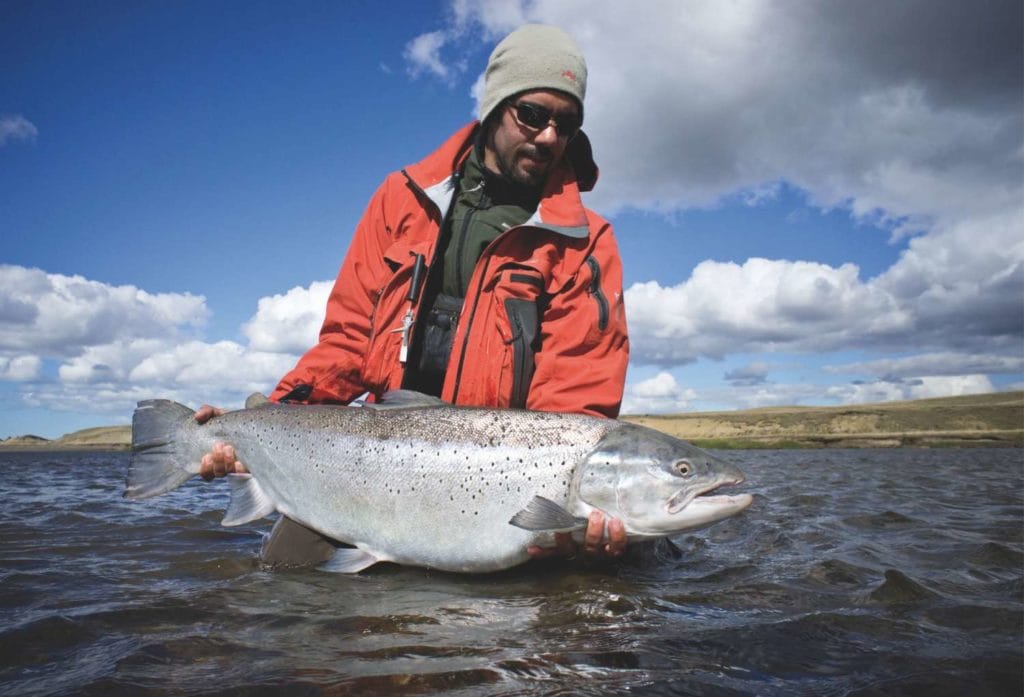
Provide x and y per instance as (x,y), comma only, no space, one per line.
(524,177)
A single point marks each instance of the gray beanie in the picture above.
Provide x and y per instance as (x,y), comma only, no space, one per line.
(534,57)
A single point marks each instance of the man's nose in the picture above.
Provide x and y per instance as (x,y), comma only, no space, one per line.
(547,135)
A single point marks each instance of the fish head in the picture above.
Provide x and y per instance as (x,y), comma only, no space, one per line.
(656,484)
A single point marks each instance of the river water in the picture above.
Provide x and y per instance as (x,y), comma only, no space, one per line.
(856,572)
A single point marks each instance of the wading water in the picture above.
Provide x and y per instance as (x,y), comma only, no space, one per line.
(853,572)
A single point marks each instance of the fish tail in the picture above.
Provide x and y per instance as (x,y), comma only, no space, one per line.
(159,461)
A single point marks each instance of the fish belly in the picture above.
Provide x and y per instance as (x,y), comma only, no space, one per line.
(438,502)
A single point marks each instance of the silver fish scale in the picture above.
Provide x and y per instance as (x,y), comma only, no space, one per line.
(433,485)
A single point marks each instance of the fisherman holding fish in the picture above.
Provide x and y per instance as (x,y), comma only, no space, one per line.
(477,275)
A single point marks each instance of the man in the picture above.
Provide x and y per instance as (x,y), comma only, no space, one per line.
(477,275)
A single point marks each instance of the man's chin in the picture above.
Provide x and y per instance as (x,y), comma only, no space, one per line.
(529,177)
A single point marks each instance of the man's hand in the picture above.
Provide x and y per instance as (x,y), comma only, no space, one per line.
(221,460)
(594,542)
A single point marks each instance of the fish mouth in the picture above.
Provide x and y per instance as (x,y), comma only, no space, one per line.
(683,498)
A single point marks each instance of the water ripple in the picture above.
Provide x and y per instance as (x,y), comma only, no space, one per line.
(855,573)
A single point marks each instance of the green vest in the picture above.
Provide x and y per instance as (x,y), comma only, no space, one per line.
(485,206)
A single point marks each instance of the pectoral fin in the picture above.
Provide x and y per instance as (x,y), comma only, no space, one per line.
(349,561)
(248,501)
(545,515)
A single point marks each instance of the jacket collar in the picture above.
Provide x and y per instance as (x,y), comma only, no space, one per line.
(560,210)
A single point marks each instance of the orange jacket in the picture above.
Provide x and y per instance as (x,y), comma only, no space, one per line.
(563,262)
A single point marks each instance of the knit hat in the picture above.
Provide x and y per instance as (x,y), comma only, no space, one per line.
(534,57)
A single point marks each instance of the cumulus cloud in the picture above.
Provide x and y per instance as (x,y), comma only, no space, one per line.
(919,388)
(778,305)
(659,394)
(112,378)
(16,127)
(424,55)
(113,345)
(753,374)
(224,363)
(61,315)
(289,322)
(928,364)
(761,305)
(19,368)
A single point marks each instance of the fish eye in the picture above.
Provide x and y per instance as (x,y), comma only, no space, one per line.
(684,468)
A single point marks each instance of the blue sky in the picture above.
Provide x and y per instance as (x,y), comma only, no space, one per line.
(801,221)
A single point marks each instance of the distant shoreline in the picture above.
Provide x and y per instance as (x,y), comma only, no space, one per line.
(986,420)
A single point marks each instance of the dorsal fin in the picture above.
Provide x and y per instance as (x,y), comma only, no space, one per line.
(255,400)
(406,399)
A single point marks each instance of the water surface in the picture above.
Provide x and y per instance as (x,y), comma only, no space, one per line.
(856,572)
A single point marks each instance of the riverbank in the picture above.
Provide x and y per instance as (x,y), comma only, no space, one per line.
(995,419)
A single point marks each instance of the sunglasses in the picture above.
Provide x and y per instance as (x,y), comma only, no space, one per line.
(537,118)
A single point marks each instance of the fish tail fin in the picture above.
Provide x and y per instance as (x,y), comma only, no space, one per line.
(159,462)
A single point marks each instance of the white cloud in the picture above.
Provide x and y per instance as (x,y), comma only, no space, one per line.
(108,363)
(755,373)
(947,363)
(114,345)
(496,18)
(224,364)
(959,301)
(964,282)
(19,368)
(16,127)
(761,305)
(423,54)
(918,388)
(289,322)
(752,396)
(656,395)
(111,379)
(59,315)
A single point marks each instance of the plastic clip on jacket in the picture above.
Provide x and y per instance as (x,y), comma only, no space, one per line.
(413,298)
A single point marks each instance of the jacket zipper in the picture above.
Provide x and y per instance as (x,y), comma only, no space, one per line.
(469,323)
(598,294)
(463,233)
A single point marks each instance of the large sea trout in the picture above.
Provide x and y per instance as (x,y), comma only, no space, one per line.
(415,481)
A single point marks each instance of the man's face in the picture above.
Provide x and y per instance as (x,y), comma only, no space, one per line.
(523,153)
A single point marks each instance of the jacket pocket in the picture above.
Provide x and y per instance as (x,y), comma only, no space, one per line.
(519,293)
(381,367)
(525,324)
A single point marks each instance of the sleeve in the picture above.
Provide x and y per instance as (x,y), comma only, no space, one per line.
(331,371)
(584,352)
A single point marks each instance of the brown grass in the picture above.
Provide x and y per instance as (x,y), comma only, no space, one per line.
(972,420)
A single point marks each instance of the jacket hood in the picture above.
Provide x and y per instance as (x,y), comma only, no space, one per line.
(581,157)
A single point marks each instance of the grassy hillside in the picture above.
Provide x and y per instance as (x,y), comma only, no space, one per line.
(101,438)
(975,420)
